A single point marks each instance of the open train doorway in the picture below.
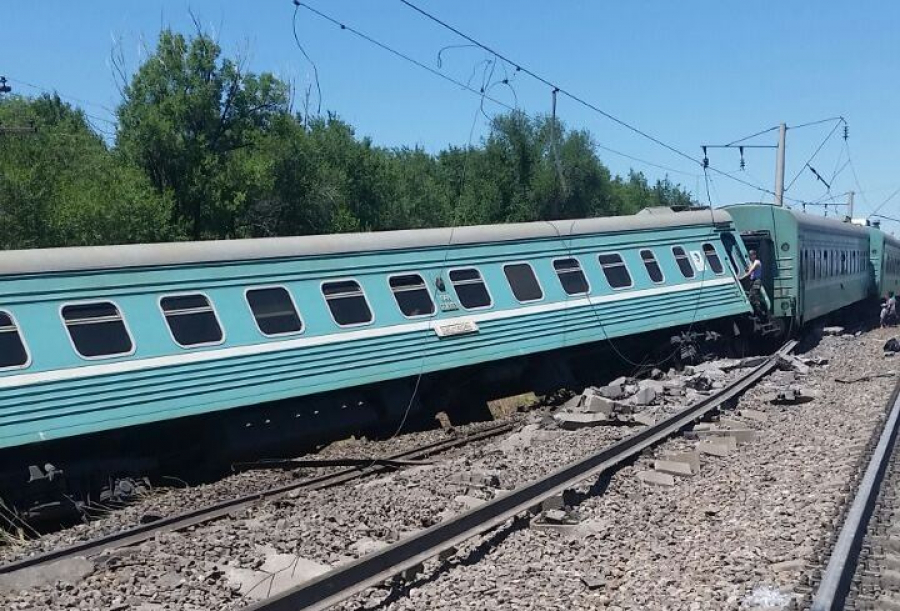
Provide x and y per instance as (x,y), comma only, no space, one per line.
(762,243)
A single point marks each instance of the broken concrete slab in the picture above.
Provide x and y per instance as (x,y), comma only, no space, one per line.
(673,467)
(612,391)
(645,419)
(596,404)
(715,448)
(69,570)
(792,363)
(692,458)
(279,573)
(656,478)
(730,423)
(645,396)
(752,414)
(573,421)
(833,330)
(741,436)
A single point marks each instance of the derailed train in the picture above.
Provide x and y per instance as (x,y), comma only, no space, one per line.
(123,361)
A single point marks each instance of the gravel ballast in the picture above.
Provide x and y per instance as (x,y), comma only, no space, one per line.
(743,533)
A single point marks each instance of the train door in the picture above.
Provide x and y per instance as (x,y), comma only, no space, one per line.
(762,243)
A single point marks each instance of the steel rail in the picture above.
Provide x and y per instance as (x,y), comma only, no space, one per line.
(838,576)
(209,513)
(341,583)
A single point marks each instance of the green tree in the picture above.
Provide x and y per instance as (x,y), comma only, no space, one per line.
(62,186)
(191,121)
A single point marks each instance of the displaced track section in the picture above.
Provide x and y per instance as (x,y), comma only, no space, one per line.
(341,583)
(864,566)
(204,515)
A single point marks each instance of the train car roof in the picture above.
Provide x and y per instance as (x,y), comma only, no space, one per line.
(16,262)
(807,220)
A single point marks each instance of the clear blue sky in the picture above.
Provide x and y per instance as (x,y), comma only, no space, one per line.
(689,73)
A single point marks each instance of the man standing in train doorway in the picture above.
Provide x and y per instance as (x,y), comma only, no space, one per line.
(754,274)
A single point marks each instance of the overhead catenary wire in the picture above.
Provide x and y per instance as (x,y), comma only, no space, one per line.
(838,122)
(576,98)
(465,86)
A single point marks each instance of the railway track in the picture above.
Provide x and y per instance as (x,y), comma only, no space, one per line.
(204,515)
(863,570)
(409,553)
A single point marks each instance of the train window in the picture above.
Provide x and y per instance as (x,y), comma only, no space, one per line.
(347,303)
(843,262)
(712,258)
(274,310)
(523,282)
(653,269)
(470,288)
(191,319)
(97,329)
(13,353)
(412,295)
(571,276)
(684,264)
(615,270)
(825,265)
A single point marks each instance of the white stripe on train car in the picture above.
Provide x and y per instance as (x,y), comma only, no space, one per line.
(72,373)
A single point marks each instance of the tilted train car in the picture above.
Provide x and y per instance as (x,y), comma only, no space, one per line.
(885,256)
(812,266)
(114,360)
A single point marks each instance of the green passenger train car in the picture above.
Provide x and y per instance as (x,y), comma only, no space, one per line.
(885,257)
(133,351)
(812,266)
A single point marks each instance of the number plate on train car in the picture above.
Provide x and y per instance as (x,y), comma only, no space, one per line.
(456,328)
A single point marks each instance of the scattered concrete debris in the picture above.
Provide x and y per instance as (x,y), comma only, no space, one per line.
(657,478)
(753,414)
(793,363)
(834,331)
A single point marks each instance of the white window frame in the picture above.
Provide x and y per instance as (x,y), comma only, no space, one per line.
(583,273)
(483,281)
(263,287)
(18,327)
(212,305)
(434,304)
(536,279)
(658,264)
(624,263)
(124,323)
(365,297)
(686,256)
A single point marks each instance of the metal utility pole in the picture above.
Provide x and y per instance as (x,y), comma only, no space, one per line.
(779,166)
(850,204)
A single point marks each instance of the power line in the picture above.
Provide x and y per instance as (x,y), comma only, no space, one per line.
(521,68)
(565,92)
(70,97)
(819,148)
(481,93)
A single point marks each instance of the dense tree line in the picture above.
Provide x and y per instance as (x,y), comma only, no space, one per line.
(205,150)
